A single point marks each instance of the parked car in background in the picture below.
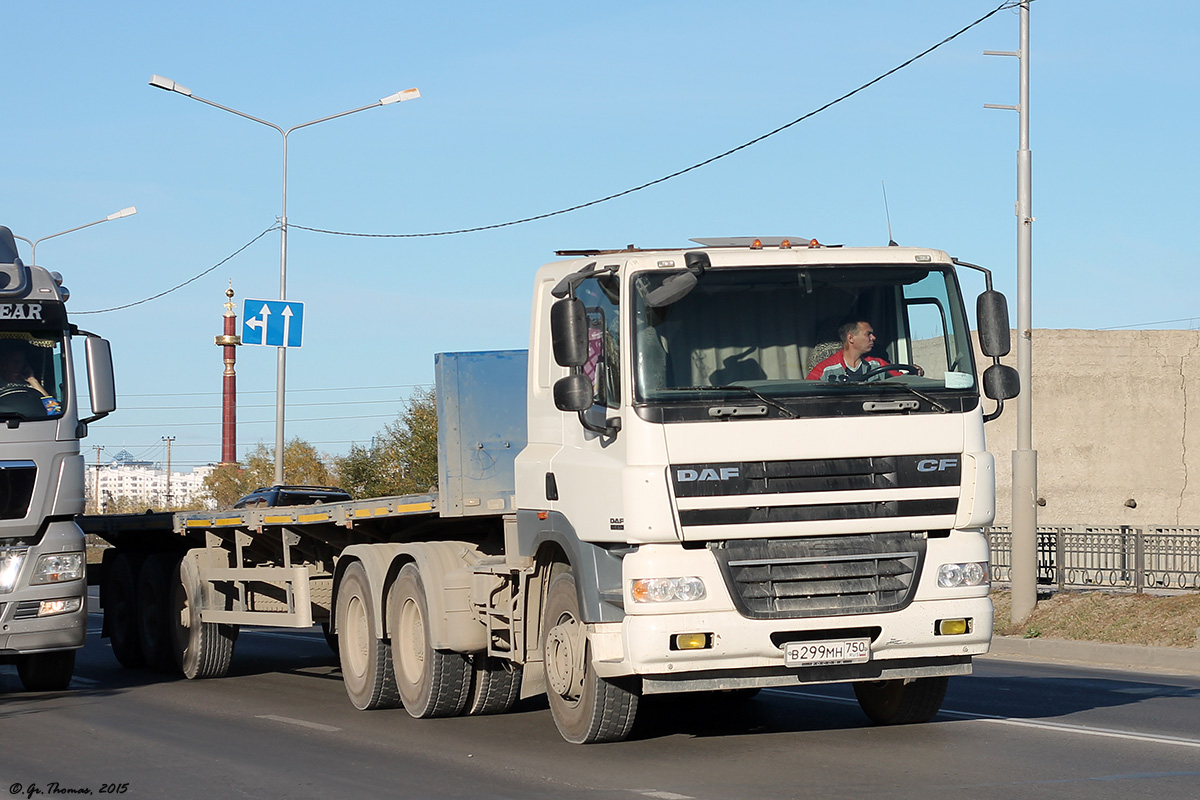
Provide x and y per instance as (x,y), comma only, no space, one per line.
(268,496)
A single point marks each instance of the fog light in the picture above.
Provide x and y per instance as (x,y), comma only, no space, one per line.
(66,605)
(664,590)
(953,627)
(954,576)
(691,641)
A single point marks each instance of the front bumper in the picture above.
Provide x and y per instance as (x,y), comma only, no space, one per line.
(747,652)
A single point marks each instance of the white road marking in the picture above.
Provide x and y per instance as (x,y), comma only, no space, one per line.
(303,723)
(1058,727)
(658,795)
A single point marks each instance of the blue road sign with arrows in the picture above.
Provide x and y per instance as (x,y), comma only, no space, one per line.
(274,323)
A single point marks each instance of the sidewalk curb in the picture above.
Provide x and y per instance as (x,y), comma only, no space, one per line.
(1120,656)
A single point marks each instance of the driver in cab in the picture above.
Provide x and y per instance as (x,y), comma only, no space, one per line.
(17,382)
(851,363)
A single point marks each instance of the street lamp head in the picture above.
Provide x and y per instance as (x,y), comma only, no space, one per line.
(169,85)
(400,97)
(124,212)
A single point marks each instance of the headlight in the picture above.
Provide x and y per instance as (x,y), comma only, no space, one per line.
(954,576)
(665,590)
(11,559)
(58,567)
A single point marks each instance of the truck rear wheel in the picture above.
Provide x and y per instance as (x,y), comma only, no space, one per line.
(432,683)
(46,672)
(201,649)
(901,701)
(495,685)
(365,658)
(120,610)
(586,708)
(153,605)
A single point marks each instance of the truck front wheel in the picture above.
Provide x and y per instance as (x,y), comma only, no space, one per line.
(901,701)
(365,658)
(586,708)
(432,683)
(46,672)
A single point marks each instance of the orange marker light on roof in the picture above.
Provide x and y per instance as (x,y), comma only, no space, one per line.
(814,243)
(756,244)
(786,244)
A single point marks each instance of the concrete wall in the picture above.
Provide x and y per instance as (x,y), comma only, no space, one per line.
(1116,418)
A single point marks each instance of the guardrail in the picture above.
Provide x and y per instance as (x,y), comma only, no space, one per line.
(1121,556)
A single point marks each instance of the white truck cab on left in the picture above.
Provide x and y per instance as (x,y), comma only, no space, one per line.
(43,585)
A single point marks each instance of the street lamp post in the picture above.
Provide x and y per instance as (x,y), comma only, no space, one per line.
(281,358)
(124,212)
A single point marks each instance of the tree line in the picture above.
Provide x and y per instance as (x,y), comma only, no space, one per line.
(401,459)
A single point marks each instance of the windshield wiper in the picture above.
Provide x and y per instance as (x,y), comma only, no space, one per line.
(921,395)
(736,388)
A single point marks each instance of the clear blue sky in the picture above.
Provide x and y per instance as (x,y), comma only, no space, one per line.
(530,107)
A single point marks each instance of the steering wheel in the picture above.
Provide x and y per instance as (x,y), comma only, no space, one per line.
(24,400)
(910,368)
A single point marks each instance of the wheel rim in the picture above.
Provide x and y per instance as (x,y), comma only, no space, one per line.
(412,641)
(356,636)
(564,665)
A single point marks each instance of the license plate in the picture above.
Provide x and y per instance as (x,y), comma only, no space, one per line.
(832,651)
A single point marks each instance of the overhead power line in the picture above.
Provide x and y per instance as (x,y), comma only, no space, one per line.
(1005,5)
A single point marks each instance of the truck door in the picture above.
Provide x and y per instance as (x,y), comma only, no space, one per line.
(589,468)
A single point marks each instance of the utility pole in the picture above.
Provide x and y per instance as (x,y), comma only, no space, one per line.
(1024,458)
(168,440)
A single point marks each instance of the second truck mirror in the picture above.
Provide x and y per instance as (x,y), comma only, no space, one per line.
(991,312)
(1001,382)
(568,333)
(573,393)
(101,385)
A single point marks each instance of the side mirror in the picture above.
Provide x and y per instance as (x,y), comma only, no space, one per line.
(569,333)
(573,393)
(991,312)
(1001,382)
(101,385)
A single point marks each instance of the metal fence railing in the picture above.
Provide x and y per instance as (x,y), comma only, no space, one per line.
(1121,556)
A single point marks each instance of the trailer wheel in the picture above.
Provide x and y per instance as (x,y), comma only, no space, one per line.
(495,685)
(201,649)
(901,701)
(120,610)
(154,607)
(46,672)
(586,708)
(365,658)
(432,683)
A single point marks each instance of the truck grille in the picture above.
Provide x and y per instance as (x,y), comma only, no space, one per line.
(822,576)
(16,488)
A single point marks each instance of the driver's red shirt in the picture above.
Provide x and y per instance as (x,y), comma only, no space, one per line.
(834,367)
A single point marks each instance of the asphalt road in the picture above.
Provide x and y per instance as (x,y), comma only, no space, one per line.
(280,726)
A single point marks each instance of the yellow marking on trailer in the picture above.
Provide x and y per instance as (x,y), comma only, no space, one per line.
(275,520)
(228,521)
(314,517)
(199,523)
(414,507)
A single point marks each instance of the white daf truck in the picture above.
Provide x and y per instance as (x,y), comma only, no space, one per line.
(43,608)
(655,498)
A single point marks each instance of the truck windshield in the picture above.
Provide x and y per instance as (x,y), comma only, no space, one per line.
(781,332)
(32,375)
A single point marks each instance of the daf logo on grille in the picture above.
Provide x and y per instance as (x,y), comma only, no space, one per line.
(707,474)
(936,464)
